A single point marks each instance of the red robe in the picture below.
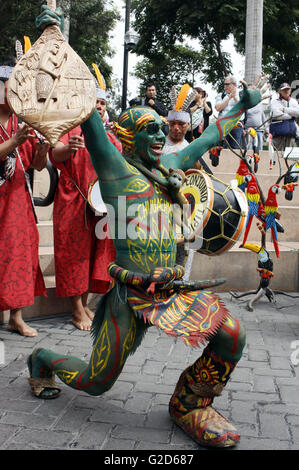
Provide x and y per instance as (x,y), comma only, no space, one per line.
(81,260)
(21,278)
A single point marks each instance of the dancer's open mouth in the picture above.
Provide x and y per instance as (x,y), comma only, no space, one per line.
(157,148)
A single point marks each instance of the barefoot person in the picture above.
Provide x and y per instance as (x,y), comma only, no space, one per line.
(20,274)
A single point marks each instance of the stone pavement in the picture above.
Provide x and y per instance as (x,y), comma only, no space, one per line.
(261,399)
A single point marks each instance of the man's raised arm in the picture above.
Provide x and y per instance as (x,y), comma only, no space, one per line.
(214,133)
(105,157)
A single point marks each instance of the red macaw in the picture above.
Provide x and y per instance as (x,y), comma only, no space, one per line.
(242,171)
(271,208)
(214,154)
(289,189)
(254,202)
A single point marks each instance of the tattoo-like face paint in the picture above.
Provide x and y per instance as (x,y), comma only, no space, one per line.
(149,142)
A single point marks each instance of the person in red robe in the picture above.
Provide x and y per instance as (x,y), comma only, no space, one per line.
(20,273)
(81,259)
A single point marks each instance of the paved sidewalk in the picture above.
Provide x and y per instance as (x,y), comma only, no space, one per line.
(261,399)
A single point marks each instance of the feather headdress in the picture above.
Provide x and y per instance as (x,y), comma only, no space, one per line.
(19,50)
(180,103)
(101,85)
(27,44)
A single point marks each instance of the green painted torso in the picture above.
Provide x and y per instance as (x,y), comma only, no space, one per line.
(141,221)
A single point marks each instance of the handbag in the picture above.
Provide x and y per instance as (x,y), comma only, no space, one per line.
(286,128)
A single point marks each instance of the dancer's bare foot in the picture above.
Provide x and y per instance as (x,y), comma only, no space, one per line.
(89,313)
(81,320)
(19,326)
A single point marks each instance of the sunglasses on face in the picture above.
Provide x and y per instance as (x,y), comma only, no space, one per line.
(227,83)
(153,128)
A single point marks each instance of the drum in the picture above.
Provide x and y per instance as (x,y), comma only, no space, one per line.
(217,212)
(94,198)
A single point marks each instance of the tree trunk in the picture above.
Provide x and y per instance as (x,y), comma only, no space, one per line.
(254,39)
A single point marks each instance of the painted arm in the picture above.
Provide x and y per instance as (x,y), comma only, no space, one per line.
(213,134)
(106,159)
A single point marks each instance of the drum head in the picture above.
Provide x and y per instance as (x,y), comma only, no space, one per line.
(198,190)
(95,198)
(217,212)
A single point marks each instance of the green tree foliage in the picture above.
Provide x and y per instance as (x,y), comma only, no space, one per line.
(162,25)
(90,24)
(280,40)
(178,67)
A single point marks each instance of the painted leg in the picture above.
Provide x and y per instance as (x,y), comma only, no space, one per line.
(118,335)
(191,404)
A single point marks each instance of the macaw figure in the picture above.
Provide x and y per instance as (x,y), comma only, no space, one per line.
(256,159)
(214,154)
(271,208)
(289,189)
(265,264)
(293,174)
(252,132)
(241,172)
(255,207)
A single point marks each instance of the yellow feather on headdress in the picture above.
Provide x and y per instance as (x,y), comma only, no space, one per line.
(27,44)
(125,136)
(182,96)
(100,78)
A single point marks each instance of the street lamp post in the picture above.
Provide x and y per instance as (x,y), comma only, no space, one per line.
(130,40)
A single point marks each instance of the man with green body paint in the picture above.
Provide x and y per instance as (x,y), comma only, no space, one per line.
(119,323)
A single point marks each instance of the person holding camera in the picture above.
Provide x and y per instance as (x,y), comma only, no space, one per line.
(200,110)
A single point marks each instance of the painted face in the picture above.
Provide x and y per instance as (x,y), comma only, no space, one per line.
(149,141)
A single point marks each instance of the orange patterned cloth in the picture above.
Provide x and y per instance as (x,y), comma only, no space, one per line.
(194,316)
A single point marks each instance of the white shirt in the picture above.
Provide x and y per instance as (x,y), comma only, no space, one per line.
(229,105)
(282,109)
(255,117)
(171,147)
